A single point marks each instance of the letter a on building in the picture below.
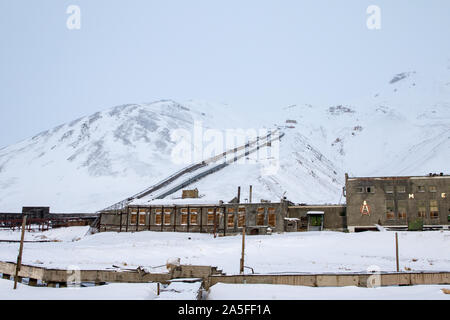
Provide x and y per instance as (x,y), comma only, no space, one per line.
(365,208)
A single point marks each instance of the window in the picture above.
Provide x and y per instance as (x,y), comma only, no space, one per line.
(401,189)
(194,216)
(402,209)
(359,189)
(260,219)
(370,189)
(184,216)
(142,216)
(167,214)
(241,219)
(158,217)
(434,210)
(210,216)
(421,209)
(389,189)
(420,188)
(432,189)
(231,220)
(390,209)
(272,217)
(133,217)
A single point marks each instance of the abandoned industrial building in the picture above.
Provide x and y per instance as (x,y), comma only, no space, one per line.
(401,203)
(392,202)
(398,202)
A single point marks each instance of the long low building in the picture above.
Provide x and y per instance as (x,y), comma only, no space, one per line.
(195,215)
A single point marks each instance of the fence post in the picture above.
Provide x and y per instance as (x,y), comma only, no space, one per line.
(19,257)
(396,252)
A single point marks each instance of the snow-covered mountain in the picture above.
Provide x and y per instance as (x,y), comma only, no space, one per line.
(95,161)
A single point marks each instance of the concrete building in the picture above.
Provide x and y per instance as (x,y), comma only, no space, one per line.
(397,201)
(317,218)
(195,216)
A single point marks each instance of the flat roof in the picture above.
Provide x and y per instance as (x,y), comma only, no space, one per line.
(400,177)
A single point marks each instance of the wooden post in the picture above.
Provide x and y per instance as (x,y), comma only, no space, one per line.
(189,218)
(128,219)
(174,218)
(162,218)
(225,221)
(250,195)
(158,288)
(137,219)
(396,252)
(215,222)
(201,218)
(241,269)
(19,257)
(120,219)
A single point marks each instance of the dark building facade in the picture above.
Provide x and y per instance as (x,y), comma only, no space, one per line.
(329,217)
(223,219)
(397,201)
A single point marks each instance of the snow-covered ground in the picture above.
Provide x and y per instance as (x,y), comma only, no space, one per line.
(288,252)
(111,291)
(278,253)
(222,291)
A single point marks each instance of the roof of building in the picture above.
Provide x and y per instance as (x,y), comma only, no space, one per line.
(431,175)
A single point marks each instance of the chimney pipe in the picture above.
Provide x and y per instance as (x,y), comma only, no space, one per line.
(250,196)
(239,195)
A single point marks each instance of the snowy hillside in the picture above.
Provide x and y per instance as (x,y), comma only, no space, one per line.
(92,162)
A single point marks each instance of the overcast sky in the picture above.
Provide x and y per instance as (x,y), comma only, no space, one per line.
(258,55)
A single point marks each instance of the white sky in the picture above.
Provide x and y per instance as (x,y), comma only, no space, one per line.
(255,54)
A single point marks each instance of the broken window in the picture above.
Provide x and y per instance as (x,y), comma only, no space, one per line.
(142,216)
(231,220)
(210,216)
(272,217)
(241,218)
(370,189)
(133,216)
(167,215)
(184,216)
(389,189)
(194,216)
(401,189)
(432,189)
(402,209)
(434,209)
(420,188)
(260,219)
(158,217)
(421,209)
(390,209)
(359,189)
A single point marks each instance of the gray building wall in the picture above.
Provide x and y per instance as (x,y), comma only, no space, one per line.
(334,216)
(396,201)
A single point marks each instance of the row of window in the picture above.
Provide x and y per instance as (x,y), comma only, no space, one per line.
(399,189)
(421,209)
(193,218)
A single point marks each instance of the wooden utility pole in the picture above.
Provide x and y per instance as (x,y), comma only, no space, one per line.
(241,269)
(396,252)
(19,257)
